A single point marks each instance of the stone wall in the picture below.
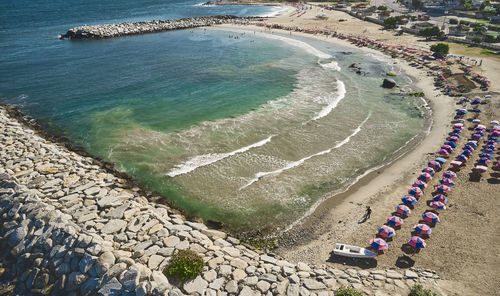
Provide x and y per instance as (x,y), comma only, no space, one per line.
(68,227)
(123,29)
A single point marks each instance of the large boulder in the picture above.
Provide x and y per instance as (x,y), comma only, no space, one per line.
(388,83)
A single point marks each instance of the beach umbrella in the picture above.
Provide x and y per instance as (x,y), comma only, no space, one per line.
(480,127)
(476,137)
(429,171)
(409,200)
(434,164)
(476,102)
(466,153)
(394,221)
(437,205)
(447,148)
(443,152)
(451,143)
(440,198)
(456,163)
(443,189)
(379,244)
(483,161)
(403,210)
(476,110)
(486,155)
(441,160)
(449,174)
(468,147)
(461,157)
(415,191)
(494,122)
(422,229)
(426,177)
(447,182)
(386,231)
(419,184)
(430,217)
(417,242)
(495,134)
(472,143)
(453,139)
(494,139)
(476,121)
(458,125)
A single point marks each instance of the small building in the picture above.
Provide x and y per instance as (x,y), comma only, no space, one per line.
(459,30)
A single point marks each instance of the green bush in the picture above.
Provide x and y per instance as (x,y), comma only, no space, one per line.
(440,48)
(184,264)
(348,291)
(391,74)
(418,290)
(453,21)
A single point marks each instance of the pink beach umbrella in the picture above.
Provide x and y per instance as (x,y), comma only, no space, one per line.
(447,182)
(386,231)
(403,210)
(379,244)
(443,189)
(419,184)
(417,242)
(480,168)
(449,174)
(409,200)
(458,125)
(437,205)
(440,198)
(415,191)
(443,152)
(447,148)
(430,217)
(426,177)
(434,164)
(395,221)
(429,171)
(422,229)
(456,163)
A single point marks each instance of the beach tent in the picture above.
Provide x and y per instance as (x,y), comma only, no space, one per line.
(430,217)
(386,231)
(422,229)
(437,205)
(417,242)
(440,198)
(379,244)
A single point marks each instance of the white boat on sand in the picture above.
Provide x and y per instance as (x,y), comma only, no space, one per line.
(353,251)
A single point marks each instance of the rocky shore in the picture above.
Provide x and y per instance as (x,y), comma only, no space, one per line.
(135,28)
(69,226)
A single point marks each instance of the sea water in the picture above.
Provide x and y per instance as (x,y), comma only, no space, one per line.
(239,126)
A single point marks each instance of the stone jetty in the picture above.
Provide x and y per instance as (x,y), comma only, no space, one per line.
(70,227)
(135,28)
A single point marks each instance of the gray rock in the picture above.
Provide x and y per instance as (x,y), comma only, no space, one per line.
(268,277)
(217,284)
(388,83)
(394,275)
(246,291)
(238,263)
(131,279)
(86,263)
(410,274)
(292,290)
(114,226)
(111,288)
(195,285)
(263,286)
(17,236)
(268,259)
(108,201)
(117,213)
(107,258)
(232,286)
(313,284)
(75,279)
(154,261)
(90,286)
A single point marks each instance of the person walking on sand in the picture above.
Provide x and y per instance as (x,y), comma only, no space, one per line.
(368,213)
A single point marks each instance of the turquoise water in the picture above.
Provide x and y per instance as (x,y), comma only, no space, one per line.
(250,131)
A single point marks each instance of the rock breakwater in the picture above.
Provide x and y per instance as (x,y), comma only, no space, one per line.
(134,28)
(69,226)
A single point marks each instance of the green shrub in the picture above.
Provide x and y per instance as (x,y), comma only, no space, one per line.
(418,290)
(391,74)
(184,264)
(440,48)
(453,21)
(348,291)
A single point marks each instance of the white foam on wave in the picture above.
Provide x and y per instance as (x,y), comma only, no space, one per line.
(207,159)
(277,10)
(331,65)
(340,95)
(203,4)
(300,44)
(259,175)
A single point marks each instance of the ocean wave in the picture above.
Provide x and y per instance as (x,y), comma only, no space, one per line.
(331,65)
(277,10)
(259,175)
(207,159)
(300,44)
(340,95)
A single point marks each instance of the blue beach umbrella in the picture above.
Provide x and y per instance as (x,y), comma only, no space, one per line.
(415,191)
(422,229)
(447,182)
(449,174)
(430,217)
(443,189)
(409,200)
(451,143)
(386,231)
(429,171)
(441,160)
(434,164)
(419,184)
(403,210)
(417,242)
(461,157)
(467,153)
(379,244)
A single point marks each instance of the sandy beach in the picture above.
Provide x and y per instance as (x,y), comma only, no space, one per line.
(461,248)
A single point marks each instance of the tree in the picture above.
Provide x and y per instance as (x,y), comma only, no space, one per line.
(440,49)
(453,21)
(476,40)
(430,32)
(489,39)
(390,22)
(382,8)
(467,4)
(484,4)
